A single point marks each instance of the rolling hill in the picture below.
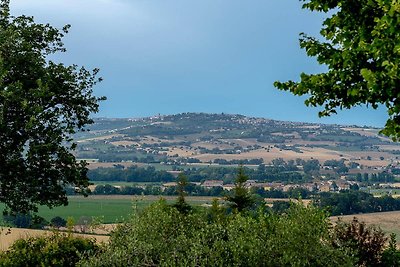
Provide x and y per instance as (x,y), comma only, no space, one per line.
(201,138)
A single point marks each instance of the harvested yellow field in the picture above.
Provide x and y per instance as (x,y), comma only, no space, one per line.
(292,134)
(311,143)
(373,163)
(367,132)
(362,131)
(373,154)
(95,165)
(389,147)
(322,154)
(124,143)
(243,142)
(389,221)
(181,152)
(148,139)
(9,235)
(272,200)
(105,137)
(308,153)
(211,145)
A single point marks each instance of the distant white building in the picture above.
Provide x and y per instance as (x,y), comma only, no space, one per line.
(212,183)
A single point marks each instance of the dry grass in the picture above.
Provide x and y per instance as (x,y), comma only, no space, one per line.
(367,132)
(362,131)
(209,145)
(308,153)
(271,201)
(148,139)
(243,142)
(373,163)
(95,165)
(389,147)
(124,143)
(180,152)
(105,137)
(9,235)
(322,154)
(389,222)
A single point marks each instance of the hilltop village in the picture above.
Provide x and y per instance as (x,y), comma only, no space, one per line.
(208,148)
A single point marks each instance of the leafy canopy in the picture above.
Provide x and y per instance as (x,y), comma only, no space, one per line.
(163,236)
(362,52)
(42,103)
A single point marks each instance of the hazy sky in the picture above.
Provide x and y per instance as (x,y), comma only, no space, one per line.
(159,56)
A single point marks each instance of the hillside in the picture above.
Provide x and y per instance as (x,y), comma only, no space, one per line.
(200,138)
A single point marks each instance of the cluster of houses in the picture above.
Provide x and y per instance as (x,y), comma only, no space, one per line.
(321,186)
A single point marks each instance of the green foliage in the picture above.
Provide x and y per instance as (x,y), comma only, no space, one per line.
(162,236)
(353,202)
(280,206)
(365,242)
(131,174)
(181,204)
(287,173)
(42,104)
(362,53)
(70,224)
(54,250)
(58,222)
(391,256)
(21,220)
(217,212)
(240,199)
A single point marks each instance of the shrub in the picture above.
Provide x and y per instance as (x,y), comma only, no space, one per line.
(53,250)
(21,220)
(391,256)
(162,236)
(58,222)
(365,242)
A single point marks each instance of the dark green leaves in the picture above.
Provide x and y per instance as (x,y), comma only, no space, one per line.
(41,105)
(362,52)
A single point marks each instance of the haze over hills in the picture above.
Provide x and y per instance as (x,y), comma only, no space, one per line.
(199,138)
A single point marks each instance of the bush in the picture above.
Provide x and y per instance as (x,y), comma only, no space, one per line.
(58,222)
(391,256)
(162,236)
(21,220)
(367,243)
(53,250)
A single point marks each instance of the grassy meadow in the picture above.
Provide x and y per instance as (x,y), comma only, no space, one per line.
(109,209)
(389,221)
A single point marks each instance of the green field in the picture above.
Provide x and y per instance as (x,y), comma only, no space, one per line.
(109,209)
(163,167)
(384,191)
(118,183)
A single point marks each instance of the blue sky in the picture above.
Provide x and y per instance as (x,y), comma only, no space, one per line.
(175,56)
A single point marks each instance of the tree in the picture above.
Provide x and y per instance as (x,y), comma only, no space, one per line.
(240,198)
(367,243)
(57,249)
(311,165)
(181,183)
(362,53)
(161,236)
(42,104)
(391,255)
(58,222)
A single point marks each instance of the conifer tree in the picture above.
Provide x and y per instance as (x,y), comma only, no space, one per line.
(240,197)
(181,183)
